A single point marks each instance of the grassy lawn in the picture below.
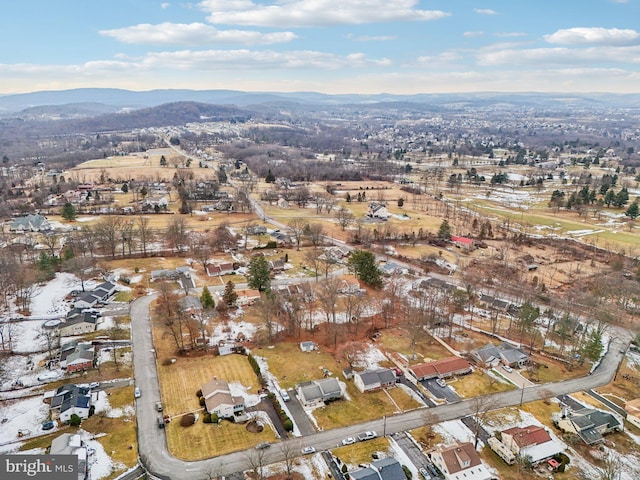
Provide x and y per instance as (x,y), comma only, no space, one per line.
(120,397)
(426,349)
(179,383)
(479,383)
(361,407)
(361,452)
(291,366)
(204,440)
(554,371)
(120,440)
(404,401)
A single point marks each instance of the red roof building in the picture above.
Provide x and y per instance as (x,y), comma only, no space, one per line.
(446,367)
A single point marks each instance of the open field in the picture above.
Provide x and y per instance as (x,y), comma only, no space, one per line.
(360,452)
(478,383)
(426,349)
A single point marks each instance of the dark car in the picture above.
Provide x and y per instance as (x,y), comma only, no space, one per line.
(48,425)
(160,422)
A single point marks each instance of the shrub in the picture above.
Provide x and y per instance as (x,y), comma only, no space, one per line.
(199,393)
(215,418)
(288,425)
(187,420)
(201,400)
(407,472)
(75,420)
(206,418)
(92,410)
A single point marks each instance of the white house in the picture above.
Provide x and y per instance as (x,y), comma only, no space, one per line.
(378,210)
(532,442)
(371,380)
(460,462)
(71,399)
(218,400)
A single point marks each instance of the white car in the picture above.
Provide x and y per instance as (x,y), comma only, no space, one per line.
(367,436)
(507,368)
(94,384)
(308,450)
(136,393)
(441,382)
(349,441)
(285,395)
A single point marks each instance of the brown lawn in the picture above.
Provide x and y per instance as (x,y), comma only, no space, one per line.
(478,383)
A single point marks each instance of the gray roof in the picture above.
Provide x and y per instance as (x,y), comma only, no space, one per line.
(384,469)
(310,392)
(381,375)
(190,302)
(329,386)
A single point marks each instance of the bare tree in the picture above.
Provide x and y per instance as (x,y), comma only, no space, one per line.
(297,227)
(107,233)
(145,233)
(312,257)
(256,460)
(315,233)
(267,309)
(344,217)
(176,235)
(81,267)
(52,339)
(289,449)
(328,298)
(480,405)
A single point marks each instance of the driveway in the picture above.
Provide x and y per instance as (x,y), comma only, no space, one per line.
(419,459)
(152,444)
(298,415)
(444,393)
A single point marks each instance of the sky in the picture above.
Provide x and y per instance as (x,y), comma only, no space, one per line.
(328,46)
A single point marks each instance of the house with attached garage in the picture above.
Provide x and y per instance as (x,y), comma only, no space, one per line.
(317,392)
(218,399)
(378,210)
(69,399)
(80,359)
(30,223)
(493,355)
(443,368)
(531,442)
(460,462)
(78,324)
(98,295)
(589,424)
(371,380)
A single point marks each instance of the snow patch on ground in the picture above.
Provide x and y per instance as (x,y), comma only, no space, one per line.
(239,390)
(25,414)
(454,431)
(48,300)
(99,463)
(102,406)
(228,331)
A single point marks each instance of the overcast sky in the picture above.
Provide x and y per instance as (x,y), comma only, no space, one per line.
(330,46)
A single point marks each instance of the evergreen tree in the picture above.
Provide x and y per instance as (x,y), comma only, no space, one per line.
(363,264)
(444,232)
(258,274)
(69,212)
(633,211)
(230,297)
(163,161)
(125,187)
(206,299)
(270,178)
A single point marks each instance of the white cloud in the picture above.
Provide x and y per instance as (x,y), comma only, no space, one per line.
(165,5)
(472,34)
(367,38)
(440,60)
(509,34)
(193,34)
(485,11)
(593,36)
(311,13)
(560,56)
(249,59)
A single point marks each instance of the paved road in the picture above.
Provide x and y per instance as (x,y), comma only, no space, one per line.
(153,447)
(419,459)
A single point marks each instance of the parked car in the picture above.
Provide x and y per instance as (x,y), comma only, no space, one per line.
(94,384)
(349,441)
(398,372)
(507,368)
(424,473)
(308,450)
(441,382)
(263,445)
(367,436)
(160,422)
(136,392)
(285,395)
(159,406)
(48,425)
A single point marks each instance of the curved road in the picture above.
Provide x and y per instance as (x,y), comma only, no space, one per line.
(156,458)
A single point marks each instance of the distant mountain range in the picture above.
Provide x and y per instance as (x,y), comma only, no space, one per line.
(85,102)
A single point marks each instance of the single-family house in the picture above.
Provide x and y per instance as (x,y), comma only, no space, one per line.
(282,203)
(308,346)
(531,442)
(98,295)
(316,392)
(384,469)
(392,268)
(78,324)
(71,444)
(378,210)
(276,265)
(493,303)
(69,399)
(80,359)
(247,297)
(257,230)
(632,407)
(460,462)
(218,400)
(589,424)
(462,242)
(493,355)
(371,380)
(300,290)
(190,304)
(220,269)
(33,222)
(348,286)
(443,368)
